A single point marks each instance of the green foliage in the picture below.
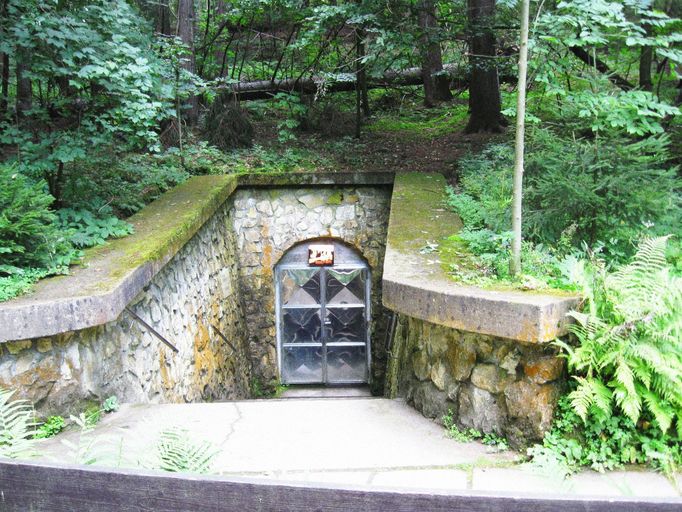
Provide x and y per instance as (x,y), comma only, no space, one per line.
(112,183)
(259,159)
(625,402)
(603,444)
(17,427)
(51,427)
(92,415)
(480,256)
(495,442)
(610,190)
(110,404)
(96,80)
(266,390)
(628,359)
(90,449)
(294,110)
(599,191)
(89,230)
(178,452)
(420,123)
(29,234)
(20,281)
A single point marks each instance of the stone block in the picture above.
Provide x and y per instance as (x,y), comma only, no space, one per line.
(490,378)
(312,201)
(544,369)
(345,212)
(428,400)
(421,365)
(461,357)
(264,207)
(531,407)
(439,376)
(481,410)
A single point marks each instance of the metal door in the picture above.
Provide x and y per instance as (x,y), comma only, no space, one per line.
(323,319)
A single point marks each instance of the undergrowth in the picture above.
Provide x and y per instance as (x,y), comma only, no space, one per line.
(492,440)
(625,403)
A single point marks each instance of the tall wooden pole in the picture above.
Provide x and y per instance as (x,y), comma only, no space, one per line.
(515,263)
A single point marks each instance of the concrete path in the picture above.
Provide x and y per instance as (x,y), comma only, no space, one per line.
(359,441)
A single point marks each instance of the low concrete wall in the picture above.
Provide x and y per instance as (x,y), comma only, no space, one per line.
(269,221)
(482,354)
(195,290)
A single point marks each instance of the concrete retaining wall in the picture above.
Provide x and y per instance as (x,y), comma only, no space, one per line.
(199,270)
(488,383)
(197,289)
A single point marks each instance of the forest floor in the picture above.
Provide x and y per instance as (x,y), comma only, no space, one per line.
(413,138)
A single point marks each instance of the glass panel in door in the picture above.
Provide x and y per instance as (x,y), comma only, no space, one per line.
(323,324)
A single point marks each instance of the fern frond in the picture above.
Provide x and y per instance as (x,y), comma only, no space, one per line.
(625,377)
(629,403)
(641,285)
(662,412)
(17,427)
(582,398)
(589,393)
(177,452)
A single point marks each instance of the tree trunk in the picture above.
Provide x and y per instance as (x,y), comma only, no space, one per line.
(4,94)
(436,86)
(4,61)
(265,89)
(484,86)
(362,72)
(645,59)
(24,99)
(517,194)
(601,66)
(185,31)
(163,18)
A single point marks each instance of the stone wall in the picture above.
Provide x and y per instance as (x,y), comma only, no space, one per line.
(269,221)
(491,384)
(196,290)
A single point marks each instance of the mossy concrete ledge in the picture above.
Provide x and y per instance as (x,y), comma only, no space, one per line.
(415,284)
(112,275)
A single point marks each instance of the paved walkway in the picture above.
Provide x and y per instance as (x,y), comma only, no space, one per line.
(356,440)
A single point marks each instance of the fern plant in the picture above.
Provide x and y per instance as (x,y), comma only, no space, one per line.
(178,452)
(629,355)
(17,427)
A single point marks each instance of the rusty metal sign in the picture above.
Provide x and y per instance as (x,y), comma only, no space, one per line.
(320,255)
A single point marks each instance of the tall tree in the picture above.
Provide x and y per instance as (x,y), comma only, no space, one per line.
(484,86)
(515,262)
(185,31)
(436,84)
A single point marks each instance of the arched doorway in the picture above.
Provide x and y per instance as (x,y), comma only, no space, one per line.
(323,316)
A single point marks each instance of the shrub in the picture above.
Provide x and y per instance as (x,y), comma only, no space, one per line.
(626,400)
(52,426)
(628,360)
(29,234)
(603,191)
(609,189)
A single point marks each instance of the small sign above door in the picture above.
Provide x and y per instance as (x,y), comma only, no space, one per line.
(320,255)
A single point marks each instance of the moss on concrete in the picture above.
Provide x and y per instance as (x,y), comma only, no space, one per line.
(418,212)
(335,199)
(164,226)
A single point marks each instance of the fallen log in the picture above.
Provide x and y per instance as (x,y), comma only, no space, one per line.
(265,89)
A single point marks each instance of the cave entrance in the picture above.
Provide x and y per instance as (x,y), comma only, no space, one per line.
(323,314)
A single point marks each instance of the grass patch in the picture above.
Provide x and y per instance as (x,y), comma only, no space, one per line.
(426,124)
